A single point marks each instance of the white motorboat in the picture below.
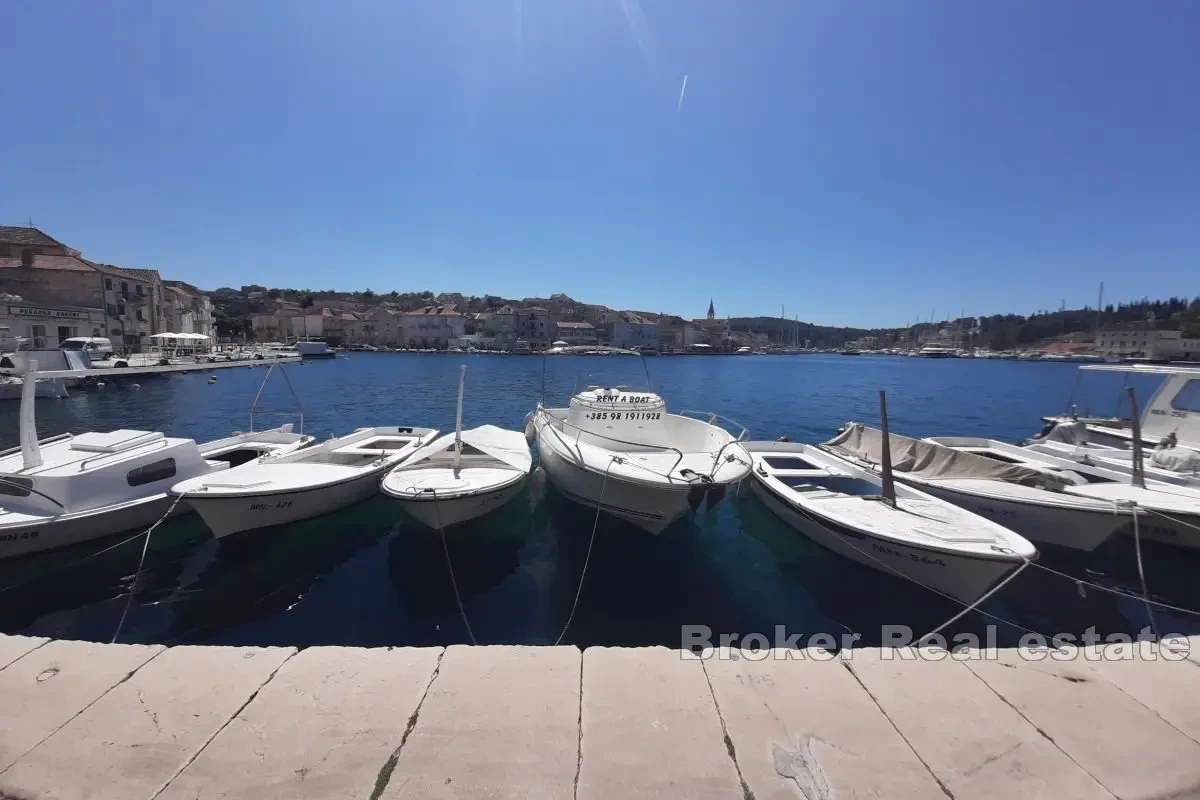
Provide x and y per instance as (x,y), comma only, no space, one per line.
(619,450)
(1167,462)
(314,481)
(1172,411)
(71,488)
(838,504)
(462,475)
(1170,513)
(1029,500)
(10,388)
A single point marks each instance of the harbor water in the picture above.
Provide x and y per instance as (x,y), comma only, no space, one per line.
(370,576)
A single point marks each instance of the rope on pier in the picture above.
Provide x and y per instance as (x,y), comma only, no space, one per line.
(588,557)
(141,562)
(437,509)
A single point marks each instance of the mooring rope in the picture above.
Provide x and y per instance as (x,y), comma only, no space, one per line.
(450,566)
(587,559)
(141,562)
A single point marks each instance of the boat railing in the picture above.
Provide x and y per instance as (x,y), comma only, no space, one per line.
(163,442)
(47,440)
(678,453)
(712,418)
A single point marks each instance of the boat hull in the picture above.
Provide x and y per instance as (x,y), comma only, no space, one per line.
(456,510)
(226,515)
(962,577)
(1180,530)
(650,508)
(1075,528)
(67,530)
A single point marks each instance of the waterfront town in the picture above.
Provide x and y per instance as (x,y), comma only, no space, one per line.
(50,292)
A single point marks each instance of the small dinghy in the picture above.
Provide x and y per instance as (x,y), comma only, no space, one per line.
(72,488)
(314,481)
(841,506)
(462,475)
(619,450)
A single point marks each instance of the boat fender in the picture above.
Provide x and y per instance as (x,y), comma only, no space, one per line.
(784,438)
(530,429)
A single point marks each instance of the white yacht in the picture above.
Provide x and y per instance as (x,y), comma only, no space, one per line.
(462,475)
(937,352)
(1172,411)
(619,450)
(314,481)
(1029,500)
(71,488)
(838,504)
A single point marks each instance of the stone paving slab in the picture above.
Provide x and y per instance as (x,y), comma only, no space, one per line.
(974,742)
(322,728)
(1170,688)
(650,728)
(50,685)
(499,722)
(1126,746)
(13,647)
(138,736)
(805,727)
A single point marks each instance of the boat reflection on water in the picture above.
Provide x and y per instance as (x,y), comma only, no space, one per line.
(69,592)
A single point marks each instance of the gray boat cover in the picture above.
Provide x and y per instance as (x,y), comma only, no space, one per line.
(1176,459)
(931,461)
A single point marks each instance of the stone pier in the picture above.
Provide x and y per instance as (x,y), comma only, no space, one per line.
(84,720)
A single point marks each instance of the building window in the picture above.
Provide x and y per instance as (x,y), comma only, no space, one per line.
(108,283)
(124,287)
(110,309)
(139,290)
(151,473)
(5,250)
(120,309)
(139,314)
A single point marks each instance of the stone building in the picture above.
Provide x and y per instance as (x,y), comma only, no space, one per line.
(433,326)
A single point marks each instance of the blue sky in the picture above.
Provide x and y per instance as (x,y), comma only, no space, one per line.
(860,163)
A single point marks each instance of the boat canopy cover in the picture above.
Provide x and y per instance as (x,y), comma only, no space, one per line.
(504,445)
(930,461)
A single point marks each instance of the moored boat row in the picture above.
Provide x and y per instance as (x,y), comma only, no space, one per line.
(956,515)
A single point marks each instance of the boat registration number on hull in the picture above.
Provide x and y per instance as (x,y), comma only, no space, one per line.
(270,506)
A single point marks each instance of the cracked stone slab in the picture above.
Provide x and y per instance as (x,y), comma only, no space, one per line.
(13,647)
(650,728)
(47,687)
(1169,687)
(499,722)
(322,728)
(804,727)
(134,739)
(1126,746)
(972,741)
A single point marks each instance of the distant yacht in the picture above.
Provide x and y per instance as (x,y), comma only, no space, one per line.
(937,352)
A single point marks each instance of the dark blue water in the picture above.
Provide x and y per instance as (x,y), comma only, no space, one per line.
(370,576)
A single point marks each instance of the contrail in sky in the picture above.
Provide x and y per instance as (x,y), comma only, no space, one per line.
(682,89)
